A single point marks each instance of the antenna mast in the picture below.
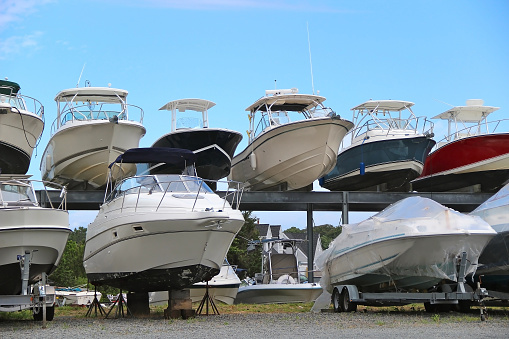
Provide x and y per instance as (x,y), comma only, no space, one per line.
(310,62)
(79,79)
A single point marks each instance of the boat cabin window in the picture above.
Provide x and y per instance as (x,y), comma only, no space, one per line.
(16,193)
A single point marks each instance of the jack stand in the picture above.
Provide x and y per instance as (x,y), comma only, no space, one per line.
(120,303)
(95,305)
(207,299)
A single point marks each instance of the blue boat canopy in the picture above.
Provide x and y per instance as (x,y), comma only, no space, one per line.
(153,155)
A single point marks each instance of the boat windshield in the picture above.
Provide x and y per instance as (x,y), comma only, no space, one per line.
(16,193)
(189,120)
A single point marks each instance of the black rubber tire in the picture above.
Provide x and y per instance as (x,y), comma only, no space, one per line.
(430,308)
(50,314)
(336,302)
(346,304)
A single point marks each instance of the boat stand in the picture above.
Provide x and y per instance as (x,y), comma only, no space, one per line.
(207,299)
(94,306)
(120,303)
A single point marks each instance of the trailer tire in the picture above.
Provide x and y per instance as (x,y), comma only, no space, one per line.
(346,304)
(430,308)
(50,314)
(336,303)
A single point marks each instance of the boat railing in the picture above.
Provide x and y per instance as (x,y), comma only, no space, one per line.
(22,194)
(23,103)
(480,128)
(415,125)
(98,111)
(184,188)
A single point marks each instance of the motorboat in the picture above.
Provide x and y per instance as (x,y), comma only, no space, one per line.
(157,232)
(214,147)
(414,244)
(285,151)
(94,125)
(21,125)
(388,147)
(280,281)
(30,235)
(76,296)
(494,260)
(222,287)
(473,156)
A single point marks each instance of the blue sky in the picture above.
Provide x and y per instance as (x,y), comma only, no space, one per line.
(428,52)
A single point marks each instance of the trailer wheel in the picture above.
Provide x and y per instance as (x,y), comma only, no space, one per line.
(346,304)
(50,313)
(430,308)
(336,300)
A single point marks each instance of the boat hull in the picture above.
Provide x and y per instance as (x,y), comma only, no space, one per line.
(147,249)
(19,133)
(78,154)
(214,149)
(478,160)
(278,293)
(41,231)
(392,163)
(294,154)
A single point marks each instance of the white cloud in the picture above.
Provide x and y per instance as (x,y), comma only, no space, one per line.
(19,44)
(17,10)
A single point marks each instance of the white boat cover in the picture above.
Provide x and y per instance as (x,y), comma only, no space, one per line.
(501,198)
(410,218)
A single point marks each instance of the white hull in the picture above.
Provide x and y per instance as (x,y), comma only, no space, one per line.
(21,130)
(296,153)
(79,153)
(82,298)
(278,293)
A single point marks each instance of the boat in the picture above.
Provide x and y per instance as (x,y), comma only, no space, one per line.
(412,245)
(94,125)
(29,234)
(214,147)
(472,157)
(157,232)
(281,281)
(76,296)
(284,154)
(21,126)
(493,270)
(388,147)
(222,287)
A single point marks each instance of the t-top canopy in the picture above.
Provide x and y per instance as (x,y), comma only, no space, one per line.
(8,87)
(286,102)
(474,111)
(384,105)
(173,156)
(182,105)
(93,94)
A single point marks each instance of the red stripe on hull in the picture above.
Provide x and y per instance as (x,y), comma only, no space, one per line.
(466,151)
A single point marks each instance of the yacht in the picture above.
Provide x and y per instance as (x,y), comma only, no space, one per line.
(21,125)
(387,149)
(214,147)
(94,125)
(293,141)
(29,234)
(157,232)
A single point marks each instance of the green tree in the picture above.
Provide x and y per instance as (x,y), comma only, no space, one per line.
(295,230)
(70,271)
(327,233)
(238,254)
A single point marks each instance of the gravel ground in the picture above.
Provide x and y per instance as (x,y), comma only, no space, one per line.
(266,325)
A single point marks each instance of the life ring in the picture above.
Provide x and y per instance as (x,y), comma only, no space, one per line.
(286,279)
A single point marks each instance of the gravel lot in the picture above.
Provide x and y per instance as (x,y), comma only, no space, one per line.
(266,325)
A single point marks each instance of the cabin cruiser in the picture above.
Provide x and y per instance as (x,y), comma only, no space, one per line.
(222,287)
(29,234)
(214,147)
(473,156)
(494,260)
(157,232)
(414,244)
(21,125)
(94,125)
(387,149)
(288,155)
(280,281)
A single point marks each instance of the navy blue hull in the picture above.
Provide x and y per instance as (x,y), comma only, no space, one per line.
(13,160)
(373,154)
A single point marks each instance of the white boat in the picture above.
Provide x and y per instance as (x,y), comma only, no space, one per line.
(286,155)
(76,296)
(411,245)
(494,260)
(94,125)
(387,149)
(214,147)
(21,125)
(222,287)
(29,234)
(280,281)
(160,232)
